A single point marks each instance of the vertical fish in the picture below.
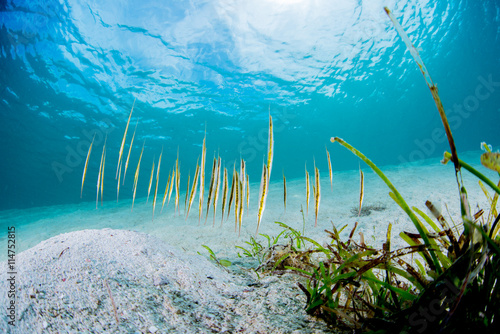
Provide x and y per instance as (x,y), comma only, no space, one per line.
(236,202)
(187,193)
(118,167)
(329,167)
(166,190)
(150,179)
(136,177)
(248,193)
(308,188)
(100,176)
(202,177)
(241,201)
(361,189)
(156,188)
(314,192)
(128,155)
(231,192)
(224,195)
(243,172)
(172,181)
(317,194)
(177,183)
(86,164)
(242,191)
(266,172)
(284,191)
(193,189)
(99,181)
(210,189)
(118,184)
(216,190)
(262,195)
(270,150)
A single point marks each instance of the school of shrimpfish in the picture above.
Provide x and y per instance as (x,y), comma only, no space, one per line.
(236,196)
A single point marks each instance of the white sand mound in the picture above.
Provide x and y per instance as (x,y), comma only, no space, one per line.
(75,282)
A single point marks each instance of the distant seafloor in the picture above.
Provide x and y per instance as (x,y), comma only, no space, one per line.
(417,182)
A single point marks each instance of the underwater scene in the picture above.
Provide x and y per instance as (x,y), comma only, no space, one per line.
(266,166)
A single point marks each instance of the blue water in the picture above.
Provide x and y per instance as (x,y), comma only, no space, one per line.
(325,68)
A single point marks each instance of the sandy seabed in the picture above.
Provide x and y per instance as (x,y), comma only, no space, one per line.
(82,270)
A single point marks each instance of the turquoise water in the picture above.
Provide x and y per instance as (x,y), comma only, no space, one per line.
(70,69)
